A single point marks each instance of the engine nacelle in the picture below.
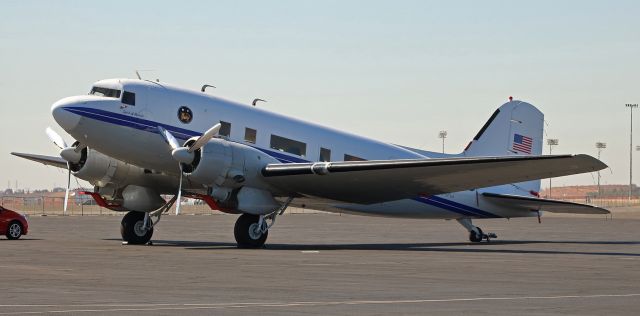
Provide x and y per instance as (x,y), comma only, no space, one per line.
(233,172)
(227,164)
(102,170)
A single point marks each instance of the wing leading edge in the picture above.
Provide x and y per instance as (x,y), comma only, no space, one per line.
(375,181)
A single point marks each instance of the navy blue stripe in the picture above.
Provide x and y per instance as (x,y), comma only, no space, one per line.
(465,207)
(445,206)
(152,127)
(184,134)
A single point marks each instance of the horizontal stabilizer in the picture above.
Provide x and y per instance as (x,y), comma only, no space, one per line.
(374,181)
(47,160)
(537,204)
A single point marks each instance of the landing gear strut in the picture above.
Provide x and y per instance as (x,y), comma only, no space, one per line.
(475,233)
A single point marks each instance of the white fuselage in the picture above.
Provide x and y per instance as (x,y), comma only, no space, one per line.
(129,133)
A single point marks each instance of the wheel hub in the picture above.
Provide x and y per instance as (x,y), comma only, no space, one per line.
(139,228)
(255,232)
(14,230)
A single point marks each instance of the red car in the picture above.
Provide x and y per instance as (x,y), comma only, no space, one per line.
(12,224)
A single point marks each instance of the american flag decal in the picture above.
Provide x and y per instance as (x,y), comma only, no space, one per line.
(522,143)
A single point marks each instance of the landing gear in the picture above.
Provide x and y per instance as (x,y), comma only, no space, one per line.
(250,231)
(135,228)
(475,233)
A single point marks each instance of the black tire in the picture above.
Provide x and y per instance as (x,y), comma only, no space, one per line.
(14,230)
(242,231)
(130,229)
(476,237)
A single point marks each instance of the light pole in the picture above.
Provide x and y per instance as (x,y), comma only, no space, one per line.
(443,135)
(600,147)
(551,142)
(631,107)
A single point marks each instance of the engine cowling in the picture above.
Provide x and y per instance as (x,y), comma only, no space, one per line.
(102,170)
(232,171)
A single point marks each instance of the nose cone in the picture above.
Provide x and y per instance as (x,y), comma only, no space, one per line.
(61,113)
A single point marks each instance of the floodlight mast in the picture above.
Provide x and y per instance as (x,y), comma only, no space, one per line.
(551,142)
(631,107)
(600,146)
(443,135)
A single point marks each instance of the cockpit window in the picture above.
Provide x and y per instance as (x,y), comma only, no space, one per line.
(105,92)
(129,98)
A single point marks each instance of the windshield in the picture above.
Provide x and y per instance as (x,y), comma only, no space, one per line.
(105,92)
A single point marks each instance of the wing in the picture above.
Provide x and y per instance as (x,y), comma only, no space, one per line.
(374,181)
(47,160)
(536,204)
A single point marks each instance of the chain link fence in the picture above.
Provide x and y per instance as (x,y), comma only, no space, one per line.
(84,205)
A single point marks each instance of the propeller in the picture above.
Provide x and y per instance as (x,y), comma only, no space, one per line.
(72,154)
(185,154)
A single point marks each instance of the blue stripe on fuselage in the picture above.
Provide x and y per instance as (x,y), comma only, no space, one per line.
(152,127)
(184,134)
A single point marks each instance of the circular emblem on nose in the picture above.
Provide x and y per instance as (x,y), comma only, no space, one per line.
(184,114)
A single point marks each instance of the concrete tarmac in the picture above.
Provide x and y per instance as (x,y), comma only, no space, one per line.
(324,264)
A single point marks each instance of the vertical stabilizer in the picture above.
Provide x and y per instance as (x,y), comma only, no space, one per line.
(515,128)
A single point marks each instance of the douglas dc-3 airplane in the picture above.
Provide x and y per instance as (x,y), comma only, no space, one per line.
(137,140)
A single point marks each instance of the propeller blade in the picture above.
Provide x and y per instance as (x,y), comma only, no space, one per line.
(56,138)
(202,140)
(66,195)
(179,194)
(168,138)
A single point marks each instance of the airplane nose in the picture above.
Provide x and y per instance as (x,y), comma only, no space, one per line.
(66,119)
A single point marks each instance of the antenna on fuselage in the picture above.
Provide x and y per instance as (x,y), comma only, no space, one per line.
(204,87)
(256,101)
(139,70)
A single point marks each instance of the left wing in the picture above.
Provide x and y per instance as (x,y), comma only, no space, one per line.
(536,204)
(375,181)
(47,160)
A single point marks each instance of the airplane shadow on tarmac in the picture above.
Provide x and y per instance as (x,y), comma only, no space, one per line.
(455,247)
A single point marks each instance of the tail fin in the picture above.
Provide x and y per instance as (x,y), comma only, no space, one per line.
(515,128)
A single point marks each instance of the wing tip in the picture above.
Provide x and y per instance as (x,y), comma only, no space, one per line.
(594,162)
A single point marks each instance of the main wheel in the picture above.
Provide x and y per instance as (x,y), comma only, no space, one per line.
(247,232)
(132,229)
(14,231)
(476,236)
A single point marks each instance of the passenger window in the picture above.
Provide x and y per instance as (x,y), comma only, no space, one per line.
(250,135)
(325,154)
(225,129)
(288,145)
(129,98)
(348,157)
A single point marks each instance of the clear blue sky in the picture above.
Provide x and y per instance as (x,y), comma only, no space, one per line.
(399,71)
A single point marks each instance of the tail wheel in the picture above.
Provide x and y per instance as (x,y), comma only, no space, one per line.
(132,229)
(14,230)
(476,236)
(247,232)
